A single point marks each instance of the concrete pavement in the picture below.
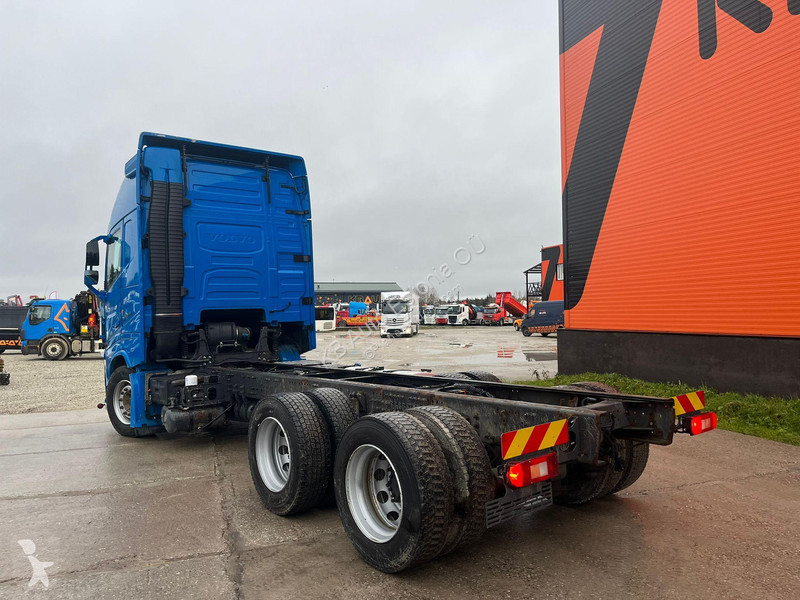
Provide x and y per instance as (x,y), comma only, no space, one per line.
(712,517)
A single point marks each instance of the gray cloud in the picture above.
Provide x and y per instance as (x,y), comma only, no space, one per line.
(421,123)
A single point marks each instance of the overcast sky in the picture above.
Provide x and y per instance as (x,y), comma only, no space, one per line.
(421,123)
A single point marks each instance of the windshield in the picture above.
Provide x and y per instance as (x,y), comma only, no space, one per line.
(394,307)
(441,311)
(39,314)
(489,311)
(324,313)
(454,310)
(428,311)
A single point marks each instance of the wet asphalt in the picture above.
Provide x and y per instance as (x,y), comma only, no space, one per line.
(713,516)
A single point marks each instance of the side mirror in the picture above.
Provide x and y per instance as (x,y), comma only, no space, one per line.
(91,277)
(93,255)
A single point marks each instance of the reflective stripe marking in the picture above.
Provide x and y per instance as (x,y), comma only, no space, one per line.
(518,442)
(691,402)
(532,439)
(552,435)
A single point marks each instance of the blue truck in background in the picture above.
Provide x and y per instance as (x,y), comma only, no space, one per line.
(207,305)
(58,329)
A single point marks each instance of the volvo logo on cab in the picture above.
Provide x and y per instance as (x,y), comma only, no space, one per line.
(231,238)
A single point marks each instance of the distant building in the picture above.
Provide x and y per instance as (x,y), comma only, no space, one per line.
(352,291)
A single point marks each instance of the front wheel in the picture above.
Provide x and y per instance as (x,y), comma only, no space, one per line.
(118,405)
(118,401)
(55,349)
(526,332)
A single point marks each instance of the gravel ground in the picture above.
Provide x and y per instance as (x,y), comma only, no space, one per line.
(39,385)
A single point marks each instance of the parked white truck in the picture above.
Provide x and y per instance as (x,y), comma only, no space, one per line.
(399,313)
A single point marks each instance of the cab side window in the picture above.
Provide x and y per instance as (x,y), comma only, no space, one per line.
(39,314)
(114,258)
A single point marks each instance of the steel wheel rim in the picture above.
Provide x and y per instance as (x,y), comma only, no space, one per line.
(122,402)
(53,349)
(273,456)
(374,495)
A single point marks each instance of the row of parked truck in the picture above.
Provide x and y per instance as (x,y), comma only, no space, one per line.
(398,314)
(503,311)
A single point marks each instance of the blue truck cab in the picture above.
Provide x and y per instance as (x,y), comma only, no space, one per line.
(358,308)
(208,260)
(58,329)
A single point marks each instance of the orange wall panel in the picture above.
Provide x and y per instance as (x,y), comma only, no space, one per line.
(701,230)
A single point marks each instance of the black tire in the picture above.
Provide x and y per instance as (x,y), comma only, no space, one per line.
(526,332)
(634,461)
(54,348)
(5,378)
(482,376)
(423,479)
(583,484)
(116,384)
(470,390)
(516,327)
(545,334)
(591,386)
(2,350)
(621,460)
(473,480)
(308,452)
(341,325)
(455,376)
(339,415)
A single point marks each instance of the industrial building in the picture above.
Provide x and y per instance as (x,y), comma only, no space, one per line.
(332,292)
(680,129)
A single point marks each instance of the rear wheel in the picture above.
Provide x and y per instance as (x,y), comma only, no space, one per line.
(339,415)
(473,480)
(481,376)
(633,457)
(545,334)
(393,490)
(55,349)
(289,452)
(585,483)
(341,324)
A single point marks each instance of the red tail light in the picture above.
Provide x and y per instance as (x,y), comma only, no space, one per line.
(531,471)
(702,423)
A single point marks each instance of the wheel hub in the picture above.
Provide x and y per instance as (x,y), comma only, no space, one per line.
(273,456)
(122,402)
(374,494)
